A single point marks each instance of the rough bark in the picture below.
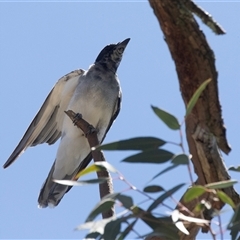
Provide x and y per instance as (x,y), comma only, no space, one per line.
(91,134)
(195,63)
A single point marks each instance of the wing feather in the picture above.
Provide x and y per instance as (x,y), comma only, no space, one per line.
(115,113)
(46,126)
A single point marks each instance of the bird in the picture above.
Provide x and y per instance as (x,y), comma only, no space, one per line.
(96,95)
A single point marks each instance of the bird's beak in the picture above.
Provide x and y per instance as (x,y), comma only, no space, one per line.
(124,43)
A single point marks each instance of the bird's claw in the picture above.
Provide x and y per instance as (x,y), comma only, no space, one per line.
(91,129)
(77,117)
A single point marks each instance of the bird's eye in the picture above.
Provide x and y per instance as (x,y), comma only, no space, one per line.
(120,49)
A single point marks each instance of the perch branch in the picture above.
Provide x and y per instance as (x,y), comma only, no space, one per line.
(91,135)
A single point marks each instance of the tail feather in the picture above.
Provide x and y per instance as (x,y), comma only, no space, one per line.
(52,193)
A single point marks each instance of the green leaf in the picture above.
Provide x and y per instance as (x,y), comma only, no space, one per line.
(95,226)
(150,156)
(201,206)
(102,206)
(126,201)
(81,183)
(89,169)
(234,224)
(107,166)
(222,184)
(127,230)
(112,229)
(167,118)
(162,226)
(98,166)
(195,96)
(235,169)
(111,196)
(147,217)
(165,195)
(193,192)
(153,189)
(181,159)
(164,171)
(225,198)
(138,143)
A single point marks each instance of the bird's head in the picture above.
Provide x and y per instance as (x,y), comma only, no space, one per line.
(111,56)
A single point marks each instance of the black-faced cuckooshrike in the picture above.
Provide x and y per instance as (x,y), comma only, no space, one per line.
(94,93)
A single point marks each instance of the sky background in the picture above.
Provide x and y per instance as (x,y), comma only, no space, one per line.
(41,42)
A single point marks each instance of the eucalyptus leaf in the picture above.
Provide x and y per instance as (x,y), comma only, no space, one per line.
(138,143)
(107,166)
(81,183)
(102,206)
(180,159)
(89,169)
(165,195)
(195,96)
(153,189)
(126,201)
(95,226)
(127,230)
(170,120)
(235,169)
(225,198)
(95,167)
(222,184)
(150,156)
(234,224)
(112,229)
(164,171)
(111,196)
(194,192)
(163,226)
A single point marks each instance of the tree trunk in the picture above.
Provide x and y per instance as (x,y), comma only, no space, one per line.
(195,63)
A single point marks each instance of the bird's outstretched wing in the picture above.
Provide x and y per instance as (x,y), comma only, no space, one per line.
(46,125)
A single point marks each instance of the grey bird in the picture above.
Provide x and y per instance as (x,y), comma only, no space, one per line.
(96,94)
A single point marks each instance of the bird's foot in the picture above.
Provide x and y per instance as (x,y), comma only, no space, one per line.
(91,129)
(77,117)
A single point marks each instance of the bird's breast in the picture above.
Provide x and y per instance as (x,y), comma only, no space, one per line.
(95,99)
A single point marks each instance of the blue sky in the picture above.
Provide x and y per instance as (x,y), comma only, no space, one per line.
(40,42)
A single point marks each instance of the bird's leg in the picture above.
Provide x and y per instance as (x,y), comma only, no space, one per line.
(77,117)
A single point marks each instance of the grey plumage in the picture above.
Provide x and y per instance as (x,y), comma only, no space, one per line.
(94,93)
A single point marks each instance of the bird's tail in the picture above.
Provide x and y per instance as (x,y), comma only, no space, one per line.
(51,193)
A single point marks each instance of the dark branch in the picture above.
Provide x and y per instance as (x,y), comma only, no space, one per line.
(91,134)
(204,16)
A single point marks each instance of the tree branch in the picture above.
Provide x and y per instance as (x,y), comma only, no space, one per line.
(91,135)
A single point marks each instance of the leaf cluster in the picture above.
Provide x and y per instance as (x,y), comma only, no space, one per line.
(166,224)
